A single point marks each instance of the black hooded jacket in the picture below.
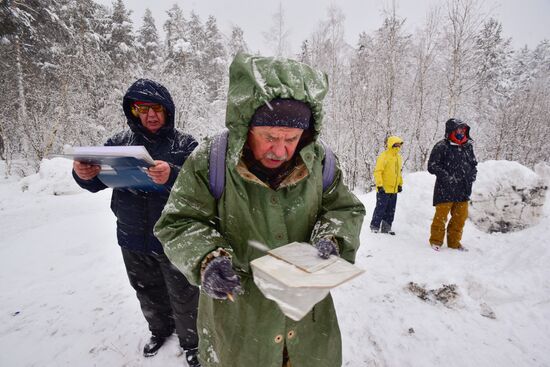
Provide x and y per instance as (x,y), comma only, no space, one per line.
(454,166)
(138,211)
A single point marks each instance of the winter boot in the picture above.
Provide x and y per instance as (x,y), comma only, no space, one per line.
(374,229)
(386,228)
(191,356)
(436,247)
(153,345)
(462,248)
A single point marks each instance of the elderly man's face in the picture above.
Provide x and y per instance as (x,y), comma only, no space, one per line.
(272,146)
(151,115)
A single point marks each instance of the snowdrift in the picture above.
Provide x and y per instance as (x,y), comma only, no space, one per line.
(506,197)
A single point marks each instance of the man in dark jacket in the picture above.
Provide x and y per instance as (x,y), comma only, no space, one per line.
(453,162)
(166,297)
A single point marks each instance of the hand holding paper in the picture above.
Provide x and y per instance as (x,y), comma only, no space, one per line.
(325,248)
(296,278)
(86,171)
(159,173)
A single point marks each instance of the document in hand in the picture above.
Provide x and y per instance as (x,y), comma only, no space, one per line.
(296,278)
(121,166)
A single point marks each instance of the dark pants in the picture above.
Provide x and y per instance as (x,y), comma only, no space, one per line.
(167,299)
(384,210)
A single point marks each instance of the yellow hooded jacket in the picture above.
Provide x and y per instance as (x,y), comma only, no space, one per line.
(387,172)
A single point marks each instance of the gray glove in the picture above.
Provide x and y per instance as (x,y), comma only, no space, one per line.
(219,280)
(325,248)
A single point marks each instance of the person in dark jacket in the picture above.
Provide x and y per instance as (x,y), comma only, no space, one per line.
(167,299)
(453,162)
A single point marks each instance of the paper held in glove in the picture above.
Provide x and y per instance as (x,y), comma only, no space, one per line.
(296,278)
(121,166)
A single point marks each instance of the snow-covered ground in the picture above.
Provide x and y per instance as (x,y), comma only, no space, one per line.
(66,299)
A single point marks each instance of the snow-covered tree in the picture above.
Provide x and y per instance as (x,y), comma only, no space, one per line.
(461,25)
(31,37)
(213,65)
(278,34)
(148,42)
(426,93)
(236,42)
(196,36)
(177,44)
(121,42)
(305,53)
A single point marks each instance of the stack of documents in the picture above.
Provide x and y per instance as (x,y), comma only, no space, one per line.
(296,278)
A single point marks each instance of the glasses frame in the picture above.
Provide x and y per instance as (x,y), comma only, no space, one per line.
(144,108)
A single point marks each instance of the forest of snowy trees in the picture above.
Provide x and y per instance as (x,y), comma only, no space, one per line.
(66,64)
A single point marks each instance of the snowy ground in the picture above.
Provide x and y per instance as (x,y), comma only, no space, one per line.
(66,299)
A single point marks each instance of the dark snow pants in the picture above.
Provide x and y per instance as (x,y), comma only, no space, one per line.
(384,210)
(167,299)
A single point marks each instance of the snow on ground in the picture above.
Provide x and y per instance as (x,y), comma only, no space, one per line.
(66,299)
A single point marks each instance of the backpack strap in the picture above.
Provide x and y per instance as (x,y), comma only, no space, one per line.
(329,166)
(216,169)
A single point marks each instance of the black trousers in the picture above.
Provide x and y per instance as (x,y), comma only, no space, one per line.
(384,210)
(167,299)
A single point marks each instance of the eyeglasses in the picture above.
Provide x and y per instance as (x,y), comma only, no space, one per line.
(143,108)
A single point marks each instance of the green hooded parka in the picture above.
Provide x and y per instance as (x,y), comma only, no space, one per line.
(252,331)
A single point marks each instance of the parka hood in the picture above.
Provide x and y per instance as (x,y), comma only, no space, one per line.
(148,91)
(453,124)
(392,140)
(255,80)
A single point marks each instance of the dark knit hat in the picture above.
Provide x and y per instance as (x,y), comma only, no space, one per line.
(283,113)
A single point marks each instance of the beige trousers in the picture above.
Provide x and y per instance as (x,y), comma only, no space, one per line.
(459,214)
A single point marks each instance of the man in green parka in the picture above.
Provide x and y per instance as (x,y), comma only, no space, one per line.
(273,194)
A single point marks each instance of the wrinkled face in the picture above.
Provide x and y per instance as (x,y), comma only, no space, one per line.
(151,115)
(272,146)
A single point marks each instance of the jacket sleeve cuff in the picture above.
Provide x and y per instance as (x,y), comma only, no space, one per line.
(174,172)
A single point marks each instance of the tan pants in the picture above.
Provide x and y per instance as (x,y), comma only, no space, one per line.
(459,214)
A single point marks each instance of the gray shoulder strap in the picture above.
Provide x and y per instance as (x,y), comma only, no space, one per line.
(216,168)
(329,166)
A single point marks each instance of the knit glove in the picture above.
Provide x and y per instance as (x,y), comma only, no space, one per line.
(325,248)
(381,190)
(219,280)
(399,188)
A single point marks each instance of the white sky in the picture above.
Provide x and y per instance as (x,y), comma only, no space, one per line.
(525,21)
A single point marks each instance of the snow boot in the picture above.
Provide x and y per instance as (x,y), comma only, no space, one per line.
(462,248)
(191,356)
(153,345)
(374,229)
(436,247)
(386,228)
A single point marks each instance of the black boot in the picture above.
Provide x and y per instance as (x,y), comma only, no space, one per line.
(191,356)
(385,227)
(153,345)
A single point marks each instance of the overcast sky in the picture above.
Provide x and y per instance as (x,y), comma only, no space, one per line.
(525,21)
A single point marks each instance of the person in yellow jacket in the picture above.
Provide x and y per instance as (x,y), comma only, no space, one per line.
(389,182)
